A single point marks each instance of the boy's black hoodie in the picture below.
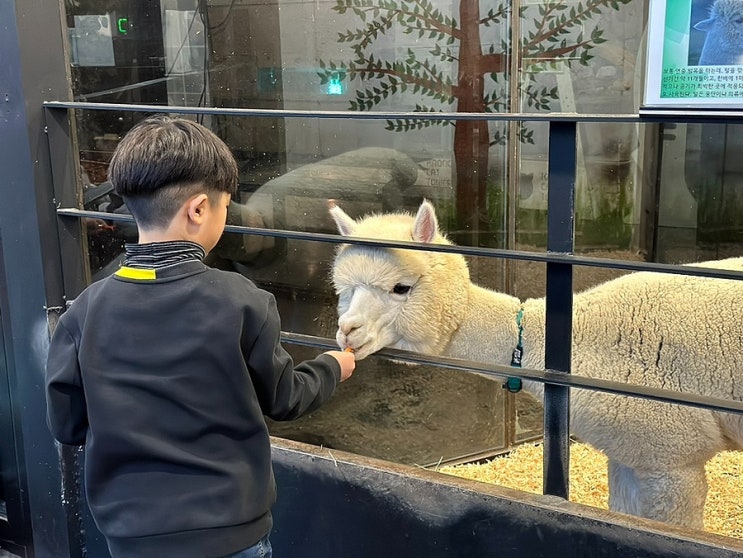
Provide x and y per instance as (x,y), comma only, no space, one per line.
(165,375)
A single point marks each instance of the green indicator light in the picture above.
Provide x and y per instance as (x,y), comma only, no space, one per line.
(123,24)
(335,86)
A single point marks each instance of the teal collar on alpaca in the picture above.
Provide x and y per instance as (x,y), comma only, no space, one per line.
(514,384)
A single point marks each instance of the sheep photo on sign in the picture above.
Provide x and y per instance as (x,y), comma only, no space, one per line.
(667,331)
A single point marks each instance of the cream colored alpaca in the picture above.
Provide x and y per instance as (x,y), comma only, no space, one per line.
(667,331)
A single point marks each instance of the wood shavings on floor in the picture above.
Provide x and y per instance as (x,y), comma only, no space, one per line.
(522,469)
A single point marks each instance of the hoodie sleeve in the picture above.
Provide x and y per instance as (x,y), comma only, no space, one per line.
(286,391)
(65,398)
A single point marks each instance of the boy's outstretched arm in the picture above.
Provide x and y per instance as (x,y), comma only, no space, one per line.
(287,391)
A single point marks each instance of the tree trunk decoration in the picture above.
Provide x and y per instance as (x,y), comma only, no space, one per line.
(552,36)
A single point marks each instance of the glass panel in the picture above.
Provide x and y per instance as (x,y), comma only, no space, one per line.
(408,414)
(667,193)
(583,57)
(589,483)
(700,213)
(357,162)
(618,202)
(420,414)
(117,52)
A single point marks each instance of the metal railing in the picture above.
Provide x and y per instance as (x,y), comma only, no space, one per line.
(559,259)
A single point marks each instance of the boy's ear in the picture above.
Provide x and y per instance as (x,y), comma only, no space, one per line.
(196,206)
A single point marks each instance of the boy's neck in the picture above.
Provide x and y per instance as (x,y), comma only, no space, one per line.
(149,236)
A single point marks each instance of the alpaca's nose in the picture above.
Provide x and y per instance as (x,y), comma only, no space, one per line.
(348,324)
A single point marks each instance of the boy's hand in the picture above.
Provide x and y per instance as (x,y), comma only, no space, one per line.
(347,362)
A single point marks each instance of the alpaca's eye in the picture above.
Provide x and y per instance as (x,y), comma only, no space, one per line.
(401,289)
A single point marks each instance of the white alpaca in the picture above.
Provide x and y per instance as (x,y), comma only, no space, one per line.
(724,42)
(669,331)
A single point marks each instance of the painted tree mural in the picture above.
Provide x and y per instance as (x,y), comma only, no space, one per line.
(552,35)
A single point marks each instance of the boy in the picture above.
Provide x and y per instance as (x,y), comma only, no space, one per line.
(165,369)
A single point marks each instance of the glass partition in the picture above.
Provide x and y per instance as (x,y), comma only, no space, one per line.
(644,192)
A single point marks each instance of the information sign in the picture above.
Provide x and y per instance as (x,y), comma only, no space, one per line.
(695,54)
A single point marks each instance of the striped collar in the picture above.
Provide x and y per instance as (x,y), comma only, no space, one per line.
(156,255)
(153,261)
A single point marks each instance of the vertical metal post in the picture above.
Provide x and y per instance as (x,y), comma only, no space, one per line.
(560,234)
(62,160)
(30,272)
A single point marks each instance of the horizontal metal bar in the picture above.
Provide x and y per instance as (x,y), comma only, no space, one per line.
(471,251)
(484,369)
(731,116)
(545,377)
(673,114)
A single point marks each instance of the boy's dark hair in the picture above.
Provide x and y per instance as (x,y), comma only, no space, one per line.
(164,160)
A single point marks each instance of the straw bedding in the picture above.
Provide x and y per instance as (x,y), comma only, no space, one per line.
(522,469)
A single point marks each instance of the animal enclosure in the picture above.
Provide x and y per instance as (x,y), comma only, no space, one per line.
(649,192)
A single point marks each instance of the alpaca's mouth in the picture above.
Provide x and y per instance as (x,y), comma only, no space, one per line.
(358,351)
(361,351)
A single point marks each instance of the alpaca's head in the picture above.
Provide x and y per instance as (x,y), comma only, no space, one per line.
(390,297)
(726,19)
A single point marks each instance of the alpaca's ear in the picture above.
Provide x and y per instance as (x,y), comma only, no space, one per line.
(426,225)
(345,224)
(705,25)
